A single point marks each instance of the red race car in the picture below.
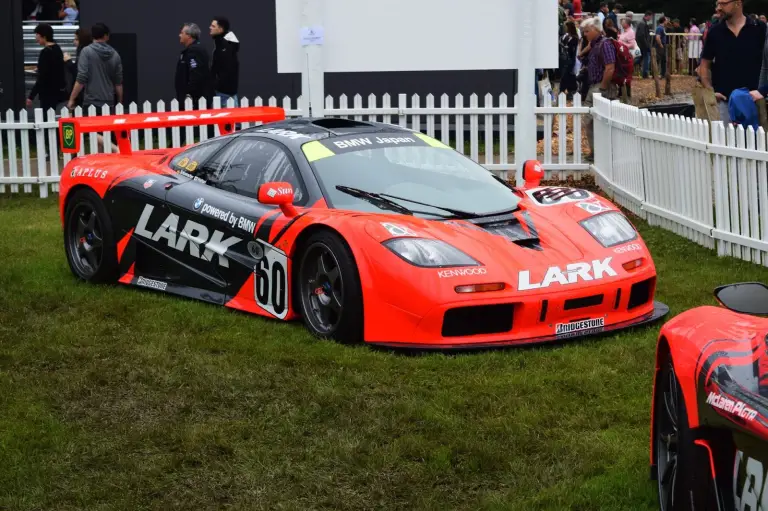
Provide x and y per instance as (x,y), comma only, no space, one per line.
(367,231)
(709,418)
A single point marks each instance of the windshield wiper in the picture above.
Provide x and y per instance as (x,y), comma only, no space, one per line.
(375,199)
(384,198)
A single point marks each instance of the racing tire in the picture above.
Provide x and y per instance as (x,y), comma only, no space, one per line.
(329,289)
(682,467)
(89,239)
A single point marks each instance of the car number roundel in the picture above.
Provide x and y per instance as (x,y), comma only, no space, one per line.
(271,281)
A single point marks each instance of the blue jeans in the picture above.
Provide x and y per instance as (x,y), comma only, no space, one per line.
(225,98)
(646,63)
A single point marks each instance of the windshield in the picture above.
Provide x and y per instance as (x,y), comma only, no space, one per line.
(409,166)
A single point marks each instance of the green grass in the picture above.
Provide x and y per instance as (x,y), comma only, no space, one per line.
(118,398)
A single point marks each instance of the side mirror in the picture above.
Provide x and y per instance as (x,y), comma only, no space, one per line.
(745,298)
(533,173)
(278,194)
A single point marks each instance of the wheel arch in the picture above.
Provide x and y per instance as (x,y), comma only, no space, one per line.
(662,352)
(69,194)
(300,244)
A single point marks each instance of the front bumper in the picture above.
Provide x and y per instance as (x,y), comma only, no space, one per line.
(659,311)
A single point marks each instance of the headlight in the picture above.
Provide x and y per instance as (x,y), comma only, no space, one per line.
(610,228)
(429,253)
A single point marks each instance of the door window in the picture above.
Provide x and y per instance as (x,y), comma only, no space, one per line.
(248,163)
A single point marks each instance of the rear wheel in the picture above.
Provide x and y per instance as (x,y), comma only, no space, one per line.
(89,241)
(329,289)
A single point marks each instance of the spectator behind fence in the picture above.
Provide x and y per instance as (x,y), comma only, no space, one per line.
(225,67)
(694,46)
(99,72)
(733,53)
(569,47)
(645,41)
(600,67)
(82,39)
(193,74)
(51,84)
(661,40)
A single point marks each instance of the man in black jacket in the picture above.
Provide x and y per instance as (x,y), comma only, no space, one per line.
(193,76)
(225,68)
(644,40)
(51,84)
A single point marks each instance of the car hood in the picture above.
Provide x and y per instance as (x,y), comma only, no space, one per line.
(528,239)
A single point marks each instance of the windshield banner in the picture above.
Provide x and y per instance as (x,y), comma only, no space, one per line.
(339,145)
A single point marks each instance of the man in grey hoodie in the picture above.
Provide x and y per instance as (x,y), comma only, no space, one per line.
(99,72)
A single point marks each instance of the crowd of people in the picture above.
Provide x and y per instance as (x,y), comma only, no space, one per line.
(94,75)
(728,54)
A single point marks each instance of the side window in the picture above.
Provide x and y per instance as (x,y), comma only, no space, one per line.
(250,162)
(191,159)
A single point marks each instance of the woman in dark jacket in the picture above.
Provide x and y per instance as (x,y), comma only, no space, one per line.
(569,47)
(82,39)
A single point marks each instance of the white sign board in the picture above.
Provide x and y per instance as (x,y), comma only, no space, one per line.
(312,35)
(416,35)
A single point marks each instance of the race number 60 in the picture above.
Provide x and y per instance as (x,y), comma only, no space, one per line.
(271,282)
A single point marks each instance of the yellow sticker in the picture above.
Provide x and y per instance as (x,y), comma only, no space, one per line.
(192,166)
(431,141)
(316,151)
(183,163)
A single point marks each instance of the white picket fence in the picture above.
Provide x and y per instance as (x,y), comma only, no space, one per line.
(706,183)
(24,164)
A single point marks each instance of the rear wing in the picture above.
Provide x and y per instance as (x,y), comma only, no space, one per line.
(71,128)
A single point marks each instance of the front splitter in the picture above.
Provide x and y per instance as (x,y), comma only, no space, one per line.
(660,310)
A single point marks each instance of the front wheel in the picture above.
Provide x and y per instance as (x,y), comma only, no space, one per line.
(329,289)
(682,468)
(88,238)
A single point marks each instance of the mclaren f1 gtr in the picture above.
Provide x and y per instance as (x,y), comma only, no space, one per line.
(709,417)
(366,231)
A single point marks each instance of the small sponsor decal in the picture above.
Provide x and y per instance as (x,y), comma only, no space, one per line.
(461,272)
(579,326)
(632,247)
(293,135)
(735,407)
(234,220)
(557,195)
(593,206)
(584,272)
(69,135)
(397,230)
(148,183)
(89,172)
(154,284)
(199,202)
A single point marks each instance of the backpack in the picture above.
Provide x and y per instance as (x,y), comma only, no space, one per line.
(625,63)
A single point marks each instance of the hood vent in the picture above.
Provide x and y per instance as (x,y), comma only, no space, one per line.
(520,232)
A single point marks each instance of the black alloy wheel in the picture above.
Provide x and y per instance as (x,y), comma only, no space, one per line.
(329,289)
(667,421)
(88,238)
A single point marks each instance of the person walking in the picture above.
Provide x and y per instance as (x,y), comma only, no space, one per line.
(51,83)
(225,67)
(193,74)
(82,39)
(99,73)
